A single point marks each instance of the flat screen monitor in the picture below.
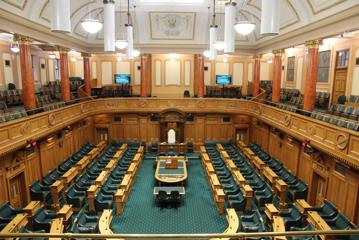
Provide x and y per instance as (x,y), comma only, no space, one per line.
(122,78)
(224,79)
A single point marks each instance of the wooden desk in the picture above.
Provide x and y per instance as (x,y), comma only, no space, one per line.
(225,155)
(270,175)
(119,199)
(258,163)
(205,157)
(57,226)
(238,177)
(270,210)
(141,150)
(249,154)
(56,188)
(177,147)
(219,147)
(132,169)
(303,206)
(69,176)
(118,154)
(94,152)
(281,189)
(209,168)
(83,163)
(202,149)
(164,175)
(20,220)
(231,166)
(65,213)
(248,195)
(278,226)
(241,145)
(219,198)
(91,196)
(101,178)
(319,223)
(32,207)
(110,165)
(138,157)
(215,181)
(124,147)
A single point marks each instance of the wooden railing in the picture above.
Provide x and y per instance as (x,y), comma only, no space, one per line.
(337,141)
(81,93)
(261,97)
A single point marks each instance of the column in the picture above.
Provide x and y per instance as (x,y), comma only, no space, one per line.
(86,59)
(311,76)
(256,75)
(277,74)
(28,87)
(64,72)
(144,76)
(200,76)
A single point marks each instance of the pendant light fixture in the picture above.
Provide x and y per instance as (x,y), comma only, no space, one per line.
(213,31)
(244,27)
(207,53)
(60,17)
(14,47)
(129,34)
(109,25)
(90,24)
(229,19)
(270,17)
(121,43)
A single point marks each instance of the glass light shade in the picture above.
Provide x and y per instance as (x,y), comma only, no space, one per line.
(219,45)
(52,56)
(136,53)
(15,47)
(73,59)
(244,27)
(121,44)
(206,53)
(91,25)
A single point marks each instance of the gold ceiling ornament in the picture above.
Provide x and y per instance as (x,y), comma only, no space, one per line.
(85,55)
(278,52)
(63,49)
(313,43)
(22,39)
(257,57)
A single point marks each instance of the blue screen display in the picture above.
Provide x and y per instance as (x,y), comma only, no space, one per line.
(122,78)
(224,79)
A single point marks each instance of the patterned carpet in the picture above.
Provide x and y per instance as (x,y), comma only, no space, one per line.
(197,215)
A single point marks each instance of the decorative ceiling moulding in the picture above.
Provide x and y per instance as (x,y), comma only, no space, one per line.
(20,5)
(169,25)
(316,9)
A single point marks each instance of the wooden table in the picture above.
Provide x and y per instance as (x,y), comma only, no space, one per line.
(101,178)
(69,176)
(171,176)
(118,154)
(123,147)
(83,163)
(270,210)
(230,164)
(141,149)
(132,168)
(119,199)
(219,147)
(270,175)
(110,165)
(32,207)
(215,182)
(65,213)
(281,188)
(57,226)
(319,223)
(202,149)
(249,154)
(241,145)
(209,168)
(225,155)
(138,157)
(248,195)
(278,226)
(303,206)
(258,163)
(91,196)
(238,177)
(56,188)
(177,147)
(20,220)
(205,157)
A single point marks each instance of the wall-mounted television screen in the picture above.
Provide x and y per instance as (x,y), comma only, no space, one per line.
(224,79)
(122,78)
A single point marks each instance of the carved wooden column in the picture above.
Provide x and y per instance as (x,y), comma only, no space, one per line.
(277,74)
(64,71)
(256,75)
(86,59)
(144,75)
(200,76)
(28,87)
(311,77)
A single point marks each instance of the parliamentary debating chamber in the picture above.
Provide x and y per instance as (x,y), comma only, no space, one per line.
(179,119)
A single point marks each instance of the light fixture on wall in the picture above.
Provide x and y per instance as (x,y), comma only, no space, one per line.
(15,47)
(73,59)
(136,53)
(52,55)
(173,56)
(270,61)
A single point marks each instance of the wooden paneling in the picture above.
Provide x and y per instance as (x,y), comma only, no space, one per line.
(305,169)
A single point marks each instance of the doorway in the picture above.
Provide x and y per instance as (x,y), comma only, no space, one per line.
(17,191)
(341,72)
(319,185)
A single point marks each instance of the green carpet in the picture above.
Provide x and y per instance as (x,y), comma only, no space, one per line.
(197,215)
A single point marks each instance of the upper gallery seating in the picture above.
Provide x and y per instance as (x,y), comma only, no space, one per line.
(41,190)
(336,120)
(111,91)
(345,111)
(226,92)
(353,99)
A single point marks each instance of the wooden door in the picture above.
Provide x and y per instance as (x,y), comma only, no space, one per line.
(340,81)
(17,191)
(319,190)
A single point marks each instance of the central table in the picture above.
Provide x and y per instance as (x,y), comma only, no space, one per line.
(171,175)
(168,190)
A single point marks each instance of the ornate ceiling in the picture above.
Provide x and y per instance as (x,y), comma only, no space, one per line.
(192,18)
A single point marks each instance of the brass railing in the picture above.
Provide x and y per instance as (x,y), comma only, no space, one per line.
(178,236)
